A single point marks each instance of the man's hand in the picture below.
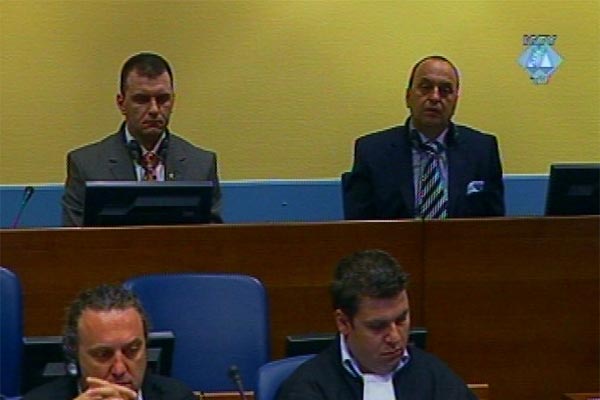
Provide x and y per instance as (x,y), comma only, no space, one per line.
(99,389)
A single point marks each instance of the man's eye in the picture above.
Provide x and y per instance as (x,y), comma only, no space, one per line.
(102,354)
(163,99)
(446,90)
(140,99)
(132,351)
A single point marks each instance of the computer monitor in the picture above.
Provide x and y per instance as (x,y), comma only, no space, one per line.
(314,343)
(44,359)
(573,190)
(117,203)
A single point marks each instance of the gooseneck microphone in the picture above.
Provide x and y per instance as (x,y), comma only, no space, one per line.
(27,193)
(236,377)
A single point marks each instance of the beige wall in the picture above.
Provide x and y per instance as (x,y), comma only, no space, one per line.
(281,89)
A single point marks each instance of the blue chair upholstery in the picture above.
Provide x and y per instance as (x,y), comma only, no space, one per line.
(219,320)
(11,334)
(272,375)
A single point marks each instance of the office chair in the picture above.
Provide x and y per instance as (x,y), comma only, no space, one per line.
(344,180)
(272,375)
(219,320)
(11,334)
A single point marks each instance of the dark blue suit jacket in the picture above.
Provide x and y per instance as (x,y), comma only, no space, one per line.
(154,387)
(381,183)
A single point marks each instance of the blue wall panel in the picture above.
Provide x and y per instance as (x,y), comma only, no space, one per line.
(263,201)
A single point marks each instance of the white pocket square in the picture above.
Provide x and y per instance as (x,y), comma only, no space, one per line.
(475,187)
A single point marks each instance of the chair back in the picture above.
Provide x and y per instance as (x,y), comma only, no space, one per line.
(344,180)
(11,334)
(219,320)
(272,375)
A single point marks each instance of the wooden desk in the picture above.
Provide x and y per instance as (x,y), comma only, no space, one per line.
(294,261)
(581,396)
(510,302)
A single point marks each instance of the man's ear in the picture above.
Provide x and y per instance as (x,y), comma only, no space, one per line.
(120,100)
(343,323)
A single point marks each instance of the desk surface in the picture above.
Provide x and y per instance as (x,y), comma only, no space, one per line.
(581,396)
(510,302)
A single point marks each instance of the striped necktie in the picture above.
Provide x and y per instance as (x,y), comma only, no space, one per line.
(432,193)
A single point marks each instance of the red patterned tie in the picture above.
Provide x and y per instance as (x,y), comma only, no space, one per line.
(149,162)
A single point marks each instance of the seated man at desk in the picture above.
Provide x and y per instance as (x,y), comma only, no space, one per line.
(105,338)
(143,148)
(429,167)
(371,359)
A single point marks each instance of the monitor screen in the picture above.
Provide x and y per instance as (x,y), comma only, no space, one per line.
(44,359)
(573,190)
(115,203)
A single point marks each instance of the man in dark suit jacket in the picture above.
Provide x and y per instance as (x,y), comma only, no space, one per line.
(386,181)
(146,101)
(105,338)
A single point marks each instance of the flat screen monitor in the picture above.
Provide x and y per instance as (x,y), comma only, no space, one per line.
(118,203)
(314,343)
(573,190)
(44,359)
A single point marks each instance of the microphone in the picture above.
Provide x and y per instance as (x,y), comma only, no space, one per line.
(27,193)
(236,377)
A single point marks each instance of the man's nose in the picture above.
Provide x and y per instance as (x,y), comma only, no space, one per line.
(153,106)
(119,367)
(435,93)
(395,333)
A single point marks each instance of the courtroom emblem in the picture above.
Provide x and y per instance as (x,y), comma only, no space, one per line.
(540,59)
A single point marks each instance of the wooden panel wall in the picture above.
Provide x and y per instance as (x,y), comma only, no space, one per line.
(510,302)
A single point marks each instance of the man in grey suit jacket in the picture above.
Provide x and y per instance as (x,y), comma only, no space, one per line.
(146,100)
(388,179)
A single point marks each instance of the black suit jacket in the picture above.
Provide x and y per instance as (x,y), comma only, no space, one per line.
(110,160)
(381,183)
(154,387)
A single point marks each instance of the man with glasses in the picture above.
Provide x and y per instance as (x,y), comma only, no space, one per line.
(429,167)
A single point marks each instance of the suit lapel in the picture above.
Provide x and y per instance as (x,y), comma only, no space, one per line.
(399,156)
(175,164)
(119,161)
(457,170)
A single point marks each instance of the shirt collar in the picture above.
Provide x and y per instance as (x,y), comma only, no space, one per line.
(352,367)
(424,139)
(129,137)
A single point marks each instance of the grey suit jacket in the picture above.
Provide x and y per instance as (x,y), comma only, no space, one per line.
(110,160)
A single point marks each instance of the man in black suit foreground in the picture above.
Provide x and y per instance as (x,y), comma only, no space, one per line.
(370,358)
(105,337)
(143,148)
(428,167)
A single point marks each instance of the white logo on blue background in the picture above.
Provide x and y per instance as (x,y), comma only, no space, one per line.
(540,60)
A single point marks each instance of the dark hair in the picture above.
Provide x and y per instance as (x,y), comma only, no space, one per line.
(146,64)
(434,57)
(101,298)
(371,273)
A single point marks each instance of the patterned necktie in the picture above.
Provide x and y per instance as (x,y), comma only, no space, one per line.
(149,162)
(432,193)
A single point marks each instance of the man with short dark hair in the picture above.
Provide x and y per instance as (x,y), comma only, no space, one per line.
(371,359)
(105,337)
(143,148)
(429,168)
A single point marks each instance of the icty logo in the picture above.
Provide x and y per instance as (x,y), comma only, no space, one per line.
(540,60)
